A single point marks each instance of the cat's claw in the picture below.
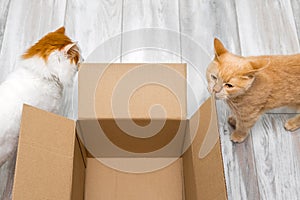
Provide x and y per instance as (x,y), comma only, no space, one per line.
(238,136)
(291,125)
(232,121)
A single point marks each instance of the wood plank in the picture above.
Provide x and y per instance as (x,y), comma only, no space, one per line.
(277,158)
(295,4)
(150,31)
(93,23)
(4,7)
(238,159)
(5,169)
(26,22)
(96,25)
(7,178)
(201,21)
(267,27)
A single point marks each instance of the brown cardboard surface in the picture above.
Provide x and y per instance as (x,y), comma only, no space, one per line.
(105,183)
(45,156)
(52,162)
(110,90)
(204,178)
(99,144)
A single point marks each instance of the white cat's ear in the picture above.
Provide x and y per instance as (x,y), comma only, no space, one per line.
(219,48)
(68,47)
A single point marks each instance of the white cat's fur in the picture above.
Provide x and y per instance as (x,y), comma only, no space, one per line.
(36,83)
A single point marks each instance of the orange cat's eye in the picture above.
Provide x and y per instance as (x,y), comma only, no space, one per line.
(228,85)
(213,77)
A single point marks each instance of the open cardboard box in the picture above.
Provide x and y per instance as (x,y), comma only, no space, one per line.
(102,155)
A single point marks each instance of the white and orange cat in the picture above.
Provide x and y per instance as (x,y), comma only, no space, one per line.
(253,85)
(46,68)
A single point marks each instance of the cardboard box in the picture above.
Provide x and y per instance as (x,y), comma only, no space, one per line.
(109,153)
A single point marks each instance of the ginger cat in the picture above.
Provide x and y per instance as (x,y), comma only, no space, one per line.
(253,85)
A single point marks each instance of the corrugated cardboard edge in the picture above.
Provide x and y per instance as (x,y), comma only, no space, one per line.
(204,179)
(31,182)
(79,166)
(79,137)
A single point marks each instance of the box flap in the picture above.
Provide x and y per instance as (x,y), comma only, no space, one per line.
(132,110)
(105,183)
(44,166)
(107,138)
(203,178)
(135,91)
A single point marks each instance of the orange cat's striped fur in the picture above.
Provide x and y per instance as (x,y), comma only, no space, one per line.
(253,85)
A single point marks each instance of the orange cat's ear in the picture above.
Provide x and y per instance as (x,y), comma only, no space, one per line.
(61,30)
(250,74)
(259,64)
(219,48)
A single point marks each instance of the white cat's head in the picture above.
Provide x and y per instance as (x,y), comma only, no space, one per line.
(60,55)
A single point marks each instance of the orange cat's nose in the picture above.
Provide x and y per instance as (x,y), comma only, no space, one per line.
(217,88)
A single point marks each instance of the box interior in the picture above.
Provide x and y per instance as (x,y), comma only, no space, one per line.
(53,162)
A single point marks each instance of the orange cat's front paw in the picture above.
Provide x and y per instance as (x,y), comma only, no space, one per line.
(291,125)
(232,121)
(238,136)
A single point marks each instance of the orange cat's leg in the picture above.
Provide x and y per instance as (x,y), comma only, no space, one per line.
(239,136)
(293,123)
(232,121)
(243,127)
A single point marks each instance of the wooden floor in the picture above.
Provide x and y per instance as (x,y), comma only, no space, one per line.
(267,165)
